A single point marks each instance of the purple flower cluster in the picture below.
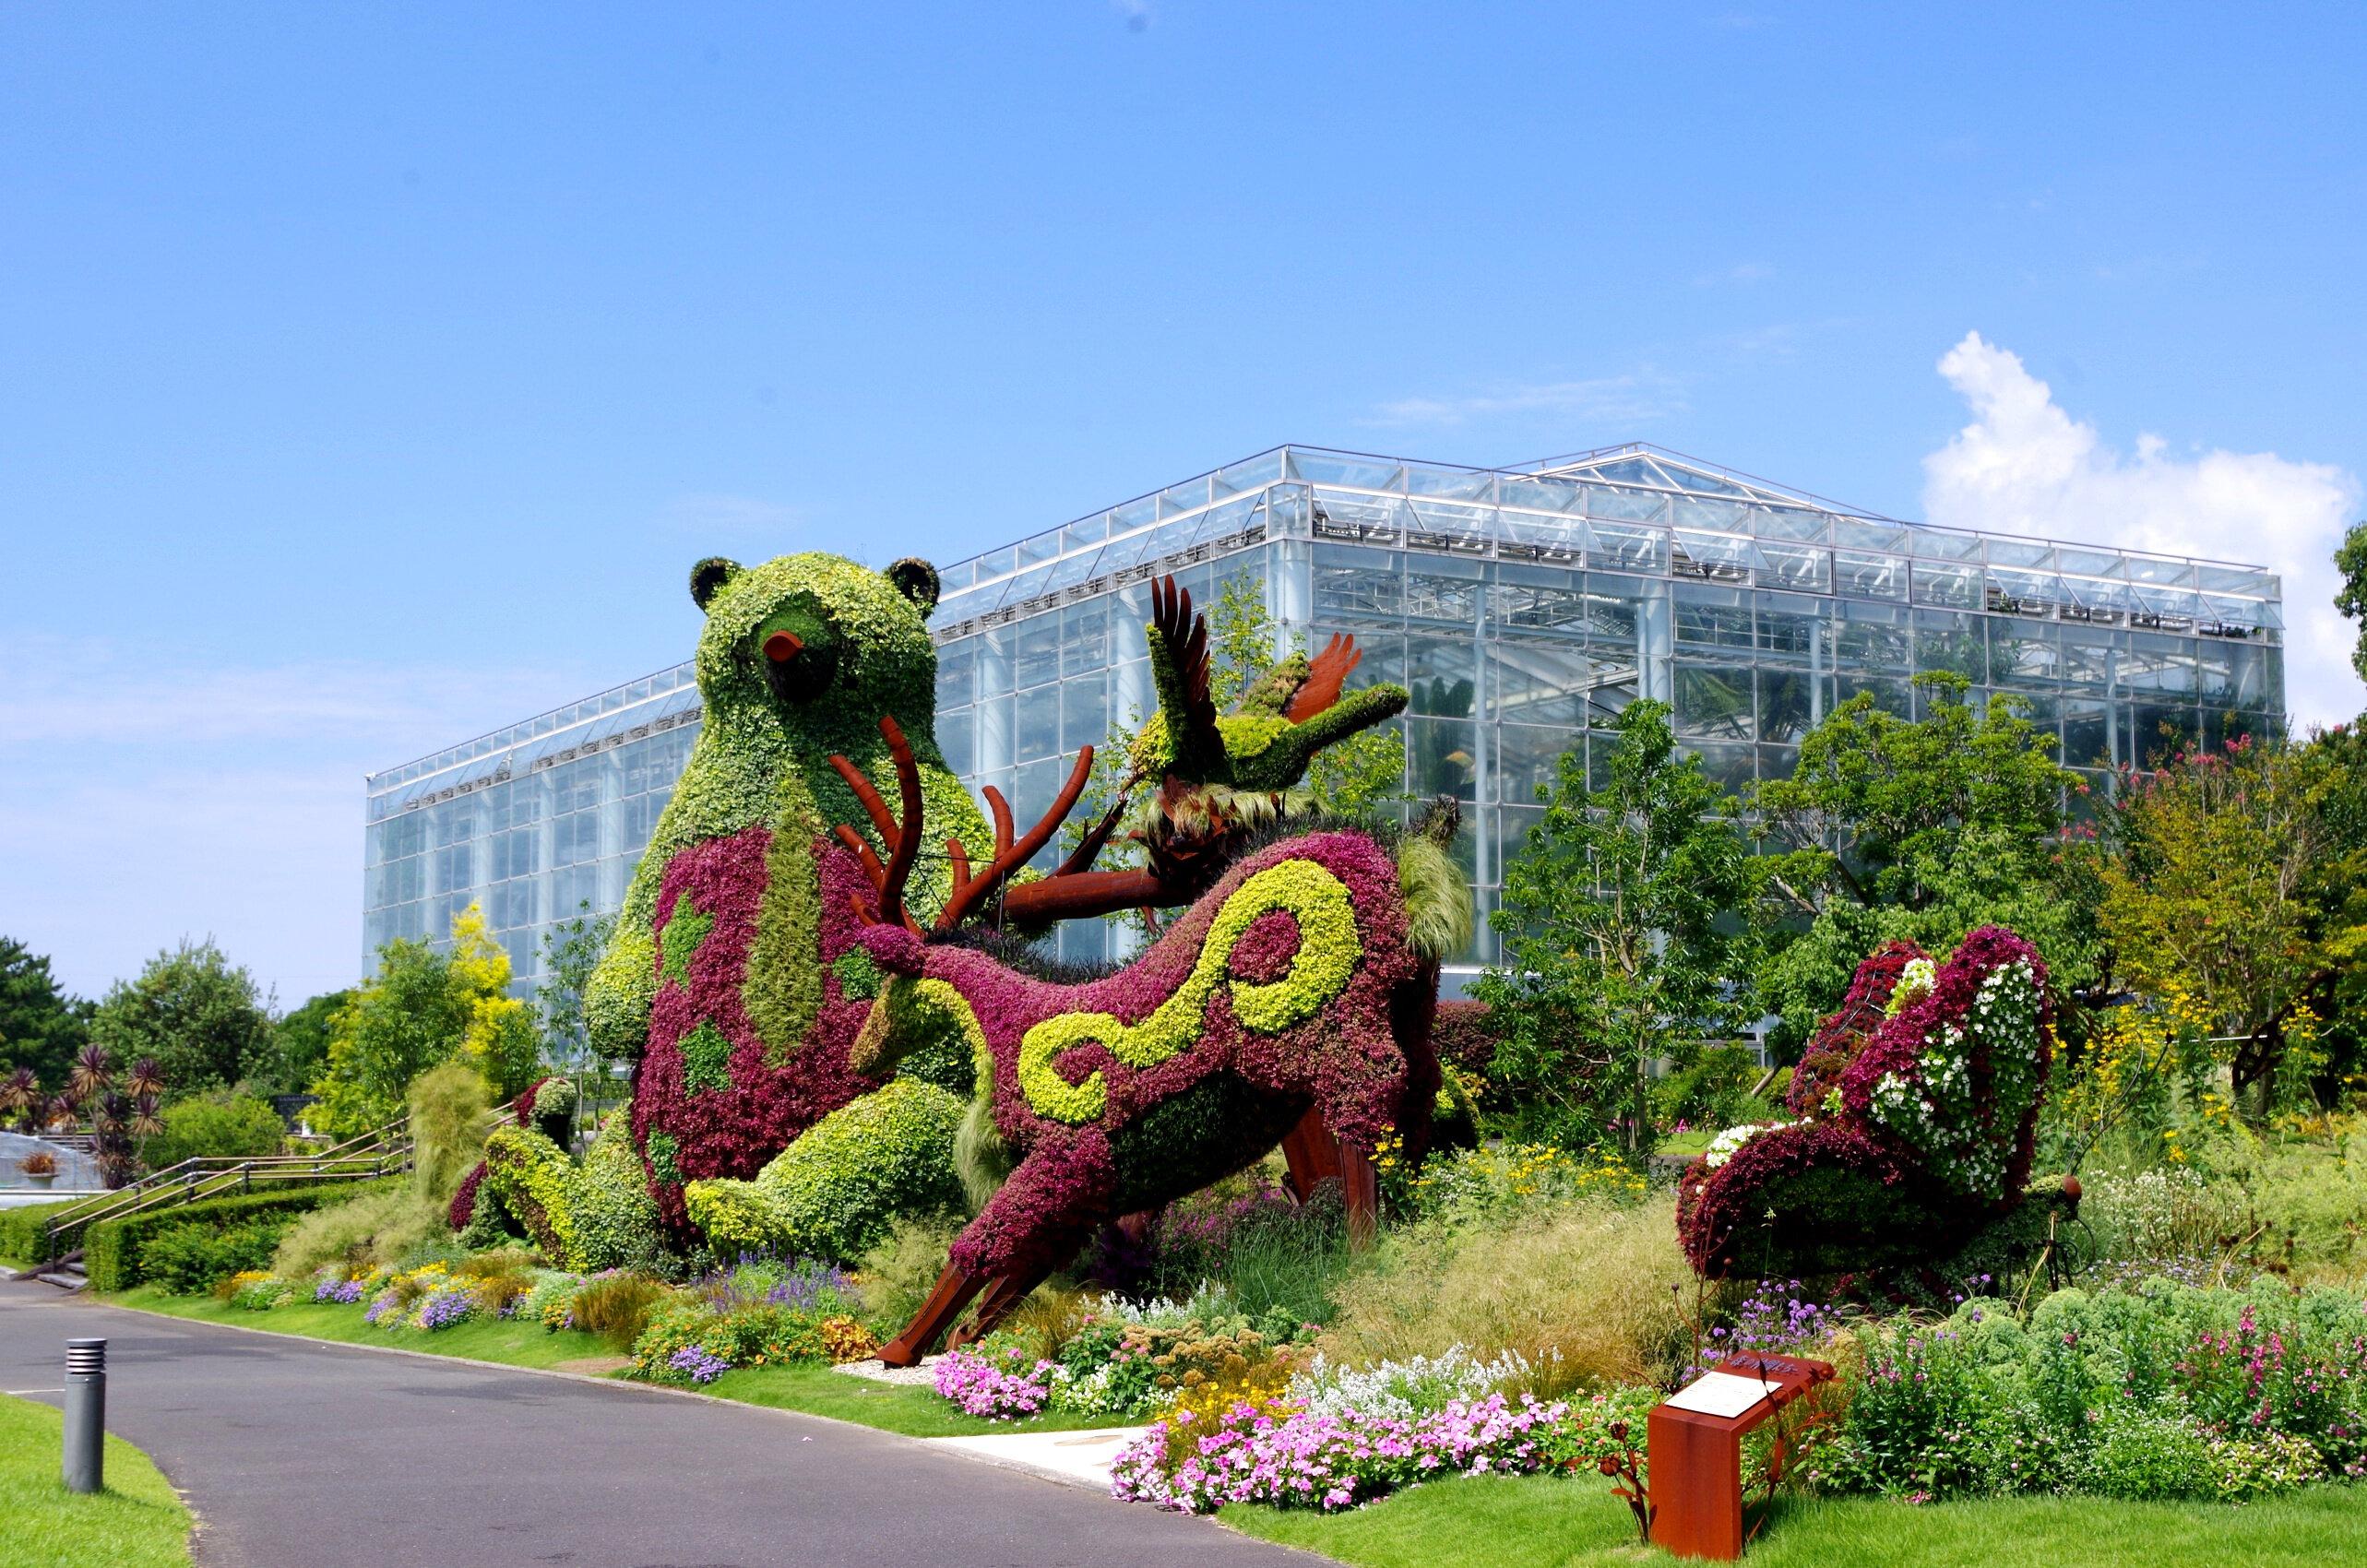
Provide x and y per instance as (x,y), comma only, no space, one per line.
(447,1307)
(1773,1320)
(1336,1461)
(999,1387)
(698,1363)
(344,1292)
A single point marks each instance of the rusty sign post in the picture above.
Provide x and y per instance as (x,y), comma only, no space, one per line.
(1696,1440)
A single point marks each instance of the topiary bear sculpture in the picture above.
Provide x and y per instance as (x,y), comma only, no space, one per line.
(1921,1099)
(748,960)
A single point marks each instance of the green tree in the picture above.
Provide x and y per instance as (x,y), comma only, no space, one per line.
(2350,560)
(424,1007)
(304,1037)
(41,1026)
(2214,887)
(1915,829)
(1619,925)
(198,1014)
(571,951)
(215,1125)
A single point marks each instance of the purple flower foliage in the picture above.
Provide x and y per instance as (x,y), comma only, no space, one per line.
(999,1387)
(778,1090)
(699,1363)
(801,1286)
(447,1307)
(1347,1058)
(344,1292)
(1336,1461)
(1773,1320)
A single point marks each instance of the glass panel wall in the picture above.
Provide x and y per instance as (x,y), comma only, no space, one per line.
(1523,610)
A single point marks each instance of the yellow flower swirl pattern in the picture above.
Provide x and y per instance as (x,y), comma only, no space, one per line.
(1328,952)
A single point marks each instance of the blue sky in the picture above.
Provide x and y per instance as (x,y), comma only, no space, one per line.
(370,373)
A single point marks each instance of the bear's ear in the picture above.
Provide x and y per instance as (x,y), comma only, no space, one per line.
(916,580)
(707,578)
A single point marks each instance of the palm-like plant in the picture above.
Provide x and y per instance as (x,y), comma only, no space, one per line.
(147,1081)
(111,1137)
(146,1123)
(93,1073)
(19,1093)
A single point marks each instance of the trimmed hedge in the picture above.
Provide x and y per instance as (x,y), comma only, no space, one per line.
(20,1232)
(112,1250)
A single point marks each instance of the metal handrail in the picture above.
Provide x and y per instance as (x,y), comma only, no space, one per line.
(382,1151)
(378,1152)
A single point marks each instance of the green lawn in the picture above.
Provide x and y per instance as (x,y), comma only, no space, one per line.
(136,1523)
(1549,1522)
(816,1391)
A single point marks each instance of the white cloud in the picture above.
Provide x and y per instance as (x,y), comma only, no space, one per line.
(1646,395)
(2025,466)
(59,690)
(144,799)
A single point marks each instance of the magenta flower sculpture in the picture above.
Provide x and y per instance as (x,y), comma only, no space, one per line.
(1920,1124)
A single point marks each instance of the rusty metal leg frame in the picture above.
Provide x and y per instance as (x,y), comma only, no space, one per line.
(1008,1292)
(952,1292)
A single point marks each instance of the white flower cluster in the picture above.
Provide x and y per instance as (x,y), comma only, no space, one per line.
(1723,1146)
(1937,1110)
(1915,982)
(1403,1390)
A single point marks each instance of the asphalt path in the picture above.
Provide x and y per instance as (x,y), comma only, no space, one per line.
(297,1453)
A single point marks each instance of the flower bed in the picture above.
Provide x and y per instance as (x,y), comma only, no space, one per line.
(1333,1460)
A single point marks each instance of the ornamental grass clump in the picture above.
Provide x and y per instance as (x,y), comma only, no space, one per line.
(1582,1292)
(616,1306)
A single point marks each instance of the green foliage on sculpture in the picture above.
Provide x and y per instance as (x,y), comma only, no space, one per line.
(734,977)
(799,658)
(616,1220)
(586,1218)
(840,1187)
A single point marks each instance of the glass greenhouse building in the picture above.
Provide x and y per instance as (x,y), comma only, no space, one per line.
(1523,608)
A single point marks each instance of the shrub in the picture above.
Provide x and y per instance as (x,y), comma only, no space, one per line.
(114,1251)
(2150,1456)
(191,1258)
(257,1292)
(216,1126)
(1582,1290)
(688,1341)
(21,1241)
(838,1189)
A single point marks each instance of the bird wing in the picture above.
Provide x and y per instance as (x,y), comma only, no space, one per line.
(1180,666)
(1325,677)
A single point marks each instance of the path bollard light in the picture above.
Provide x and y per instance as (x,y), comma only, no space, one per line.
(85,1415)
(1696,1449)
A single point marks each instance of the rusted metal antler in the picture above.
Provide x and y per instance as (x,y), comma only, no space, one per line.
(903,839)
(971,892)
